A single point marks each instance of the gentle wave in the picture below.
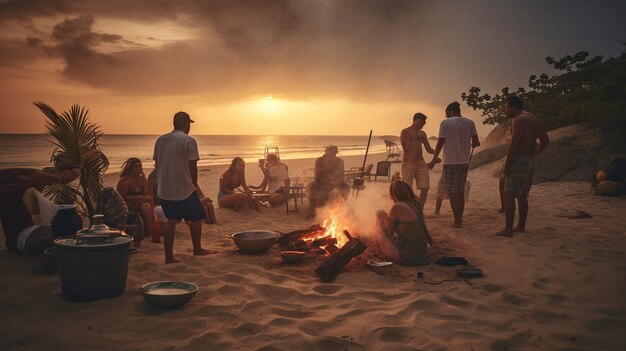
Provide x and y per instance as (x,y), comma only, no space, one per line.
(34,150)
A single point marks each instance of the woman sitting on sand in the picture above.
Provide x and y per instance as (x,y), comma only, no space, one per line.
(134,188)
(402,235)
(233,178)
(275,173)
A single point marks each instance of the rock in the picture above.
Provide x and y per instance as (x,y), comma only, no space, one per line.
(556,160)
(488,155)
(609,188)
(575,152)
(501,134)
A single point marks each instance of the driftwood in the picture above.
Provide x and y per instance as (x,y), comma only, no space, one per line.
(331,267)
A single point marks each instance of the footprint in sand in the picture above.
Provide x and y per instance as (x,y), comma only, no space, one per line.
(456,302)
(492,288)
(514,299)
(393,334)
(327,289)
(246,329)
(557,297)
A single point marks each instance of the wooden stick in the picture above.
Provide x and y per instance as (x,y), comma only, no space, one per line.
(366,150)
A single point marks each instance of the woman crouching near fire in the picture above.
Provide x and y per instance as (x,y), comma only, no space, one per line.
(402,235)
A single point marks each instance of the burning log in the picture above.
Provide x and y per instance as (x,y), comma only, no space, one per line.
(323,241)
(332,248)
(320,252)
(331,267)
(298,234)
(302,245)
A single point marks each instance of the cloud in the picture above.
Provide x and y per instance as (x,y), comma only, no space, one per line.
(363,50)
(290,48)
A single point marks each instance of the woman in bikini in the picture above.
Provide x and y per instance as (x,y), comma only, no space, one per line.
(233,178)
(134,188)
(402,235)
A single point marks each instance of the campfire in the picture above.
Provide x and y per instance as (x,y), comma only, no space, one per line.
(324,239)
(332,239)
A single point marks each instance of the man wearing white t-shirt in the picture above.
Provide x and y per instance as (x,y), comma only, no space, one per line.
(457,135)
(176,158)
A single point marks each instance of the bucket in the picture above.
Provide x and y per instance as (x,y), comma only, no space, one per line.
(92,266)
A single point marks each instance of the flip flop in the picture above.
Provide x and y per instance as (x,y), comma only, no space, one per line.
(469,272)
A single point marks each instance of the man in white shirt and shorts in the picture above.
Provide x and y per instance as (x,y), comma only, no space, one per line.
(455,135)
(176,157)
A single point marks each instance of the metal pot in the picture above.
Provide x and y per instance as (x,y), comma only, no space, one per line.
(93,266)
(254,241)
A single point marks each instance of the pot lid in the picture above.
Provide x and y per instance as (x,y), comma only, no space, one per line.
(93,241)
(99,228)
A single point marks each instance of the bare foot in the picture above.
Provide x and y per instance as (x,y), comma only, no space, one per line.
(435,215)
(518,229)
(501,210)
(457,225)
(204,252)
(505,233)
(171,260)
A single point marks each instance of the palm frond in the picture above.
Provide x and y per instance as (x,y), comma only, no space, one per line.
(77,140)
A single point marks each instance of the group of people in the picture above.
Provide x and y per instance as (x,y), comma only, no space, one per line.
(171,194)
(402,235)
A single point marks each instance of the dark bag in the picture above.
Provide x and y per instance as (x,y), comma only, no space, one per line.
(617,170)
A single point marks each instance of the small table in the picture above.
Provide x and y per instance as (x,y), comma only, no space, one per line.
(293,192)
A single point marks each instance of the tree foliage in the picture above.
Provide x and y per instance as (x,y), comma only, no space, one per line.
(584,89)
(76,140)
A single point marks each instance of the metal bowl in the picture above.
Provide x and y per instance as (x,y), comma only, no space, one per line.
(168,294)
(292,256)
(254,241)
(380,267)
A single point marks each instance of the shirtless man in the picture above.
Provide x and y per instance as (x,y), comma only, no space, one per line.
(329,175)
(413,164)
(519,167)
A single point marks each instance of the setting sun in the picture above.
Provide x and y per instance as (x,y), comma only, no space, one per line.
(269,104)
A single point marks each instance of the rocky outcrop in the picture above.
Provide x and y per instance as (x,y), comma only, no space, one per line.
(488,155)
(501,134)
(575,152)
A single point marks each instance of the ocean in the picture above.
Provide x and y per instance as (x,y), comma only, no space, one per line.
(34,150)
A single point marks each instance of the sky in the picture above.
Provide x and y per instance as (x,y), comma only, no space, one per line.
(281,67)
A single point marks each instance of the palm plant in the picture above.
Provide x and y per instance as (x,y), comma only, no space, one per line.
(76,140)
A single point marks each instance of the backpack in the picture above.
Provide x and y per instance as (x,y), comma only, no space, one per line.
(617,170)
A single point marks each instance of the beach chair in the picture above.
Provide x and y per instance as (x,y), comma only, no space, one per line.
(393,151)
(383,169)
(271,150)
(355,172)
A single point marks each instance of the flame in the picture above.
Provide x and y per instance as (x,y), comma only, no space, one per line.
(334,229)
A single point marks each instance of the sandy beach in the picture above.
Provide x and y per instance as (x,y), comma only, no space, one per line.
(559,286)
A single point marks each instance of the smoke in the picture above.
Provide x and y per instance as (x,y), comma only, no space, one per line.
(358,211)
